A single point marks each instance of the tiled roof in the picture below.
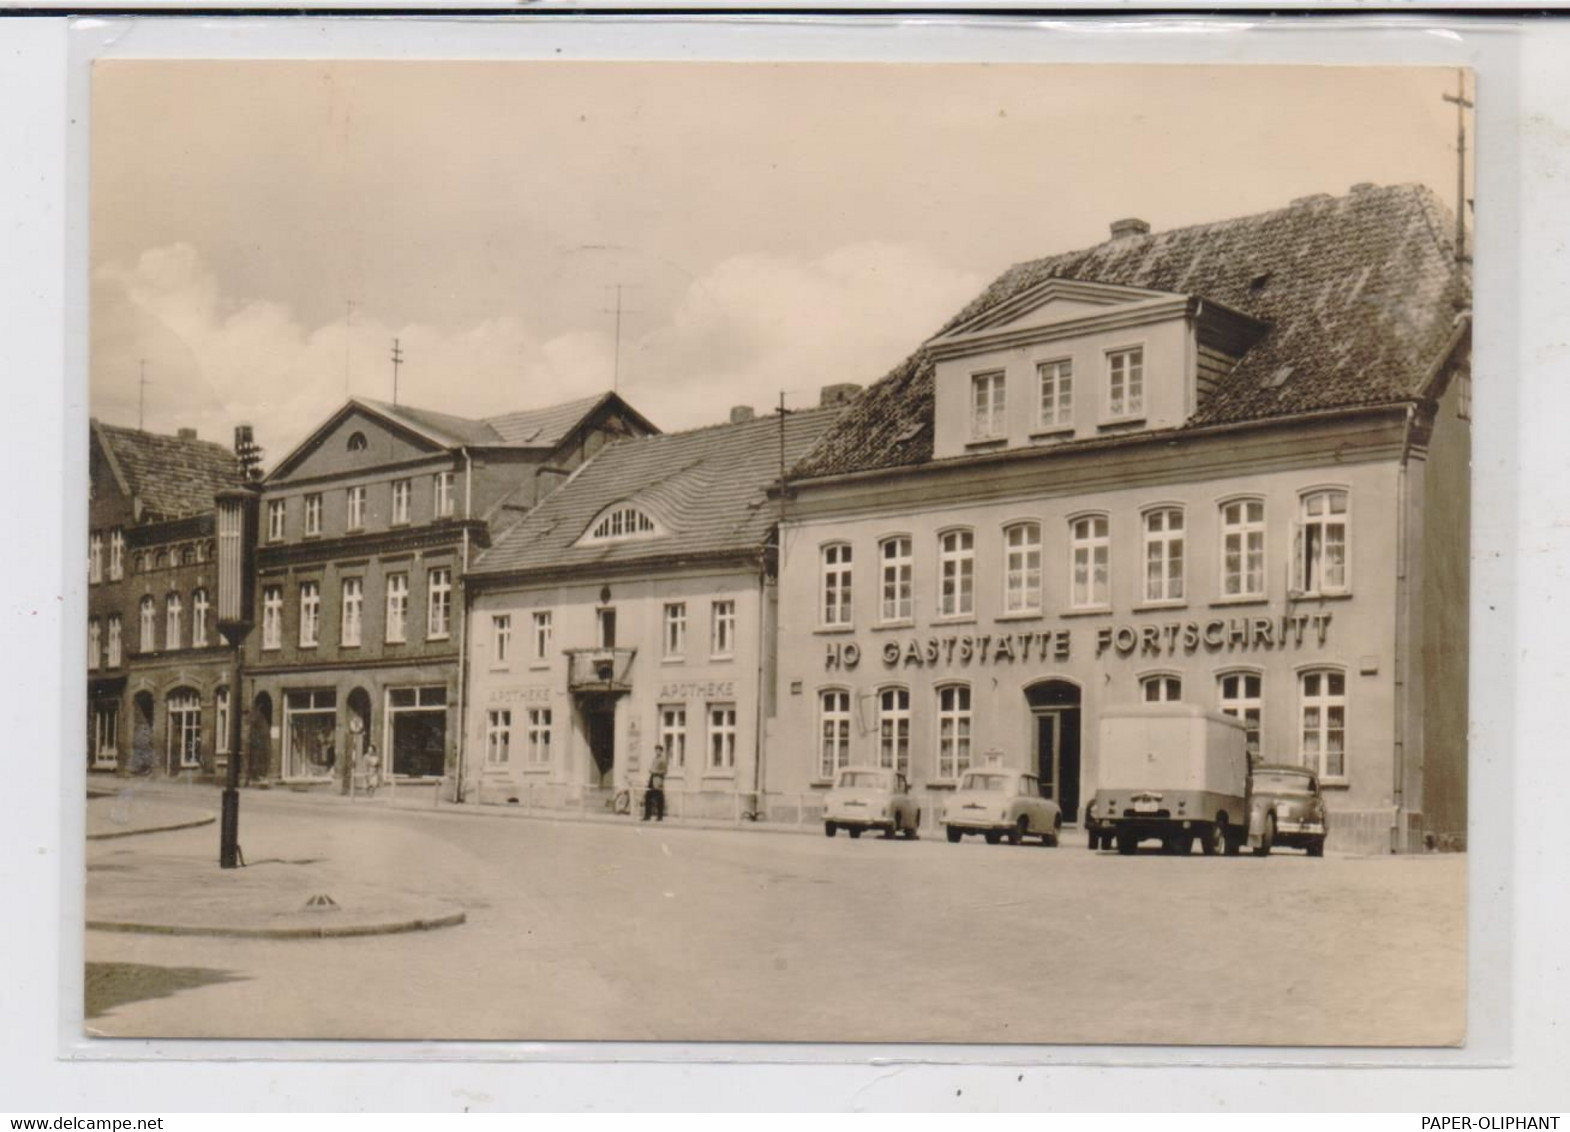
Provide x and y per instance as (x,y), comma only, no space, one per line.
(706,488)
(531,428)
(1360,292)
(172,476)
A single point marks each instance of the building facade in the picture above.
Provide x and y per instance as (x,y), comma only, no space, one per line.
(635,608)
(366,530)
(158,672)
(1225,465)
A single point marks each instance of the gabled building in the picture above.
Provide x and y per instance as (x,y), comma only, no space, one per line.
(635,607)
(157,671)
(1226,464)
(366,530)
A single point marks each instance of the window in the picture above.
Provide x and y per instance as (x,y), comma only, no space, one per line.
(356,508)
(310,613)
(1057,394)
(443,496)
(172,611)
(147,640)
(397,608)
(201,610)
(401,490)
(95,557)
(1464,394)
(1240,698)
(116,554)
(187,555)
(987,421)
(836,584)
(106,733)
(1022,568)
(1089,551)
(605,626)
(675,635)
(277,509)
(498,736)
(833,731)
(1243,548)
(356,442)
(673,734)
(543,631)
(501,637)
(313,513)
(113,659)
(1164,555)
(221,721)
(1320,564)
(1324,722)
(953,731)
(895,553)
(1126,382)
(1161,689)
(722,736)
(894,729)
(539,736)
(956,573)
(622,522)
(95,645)
(722,628)
(185,729)
(438,606)
(272,617)
(353,603)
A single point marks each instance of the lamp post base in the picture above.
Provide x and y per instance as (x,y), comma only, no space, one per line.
(229,830)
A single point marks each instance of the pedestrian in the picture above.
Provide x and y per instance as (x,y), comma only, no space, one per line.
(373,768)
(142,749)
(654,798)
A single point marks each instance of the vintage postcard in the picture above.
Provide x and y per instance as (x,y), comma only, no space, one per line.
(778,552)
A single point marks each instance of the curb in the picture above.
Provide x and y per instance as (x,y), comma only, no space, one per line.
(151,829)
(452,919)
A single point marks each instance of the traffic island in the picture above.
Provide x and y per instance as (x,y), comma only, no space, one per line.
(129,812)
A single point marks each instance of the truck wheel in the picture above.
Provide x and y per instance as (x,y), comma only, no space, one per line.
(1215,839)
(1234,843)
(830,829)
(1127,844)
(1183,844)
(954,832)
(1267,838)
(1094,841)
(893,828)
(1316,847)
(854,832)
(992,836)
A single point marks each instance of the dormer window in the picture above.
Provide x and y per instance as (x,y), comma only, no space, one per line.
(622,521)
(1126,383)
(987,420)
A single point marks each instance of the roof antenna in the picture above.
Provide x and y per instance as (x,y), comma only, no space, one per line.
(618,311)
(141,394)
(397,360)
(1463,104)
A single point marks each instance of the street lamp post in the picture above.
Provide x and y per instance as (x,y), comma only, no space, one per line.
(237,516)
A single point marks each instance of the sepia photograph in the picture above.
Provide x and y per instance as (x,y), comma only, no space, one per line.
(778,552)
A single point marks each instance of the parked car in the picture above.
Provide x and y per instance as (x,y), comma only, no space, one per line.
(865,798)
(1286,806)
(1001,803)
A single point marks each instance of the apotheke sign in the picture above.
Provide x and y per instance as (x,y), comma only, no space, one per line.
(1291,630)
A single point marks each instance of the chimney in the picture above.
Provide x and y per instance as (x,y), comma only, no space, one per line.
(1130,226)
(186,434)
(1364,187)
(840,393)
(740,414)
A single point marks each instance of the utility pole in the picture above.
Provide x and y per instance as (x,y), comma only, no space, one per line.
(141,394)
(1463,104)
(397,360)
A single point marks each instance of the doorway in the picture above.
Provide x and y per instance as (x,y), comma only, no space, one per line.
(143,760)
(1055,711)
(600,721)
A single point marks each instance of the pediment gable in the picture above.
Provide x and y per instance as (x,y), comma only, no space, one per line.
(353,439)
(1054,301)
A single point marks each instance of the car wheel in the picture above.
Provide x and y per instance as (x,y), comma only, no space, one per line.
(854,832)
(1094,841)
(1215,839)
(954,833)
(1316,847)
(830,829)
(1127,844)
(993,836)
(1056,835)
(1017,834)
(1267,838)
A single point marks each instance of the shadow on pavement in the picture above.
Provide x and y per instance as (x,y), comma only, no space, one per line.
(108,985)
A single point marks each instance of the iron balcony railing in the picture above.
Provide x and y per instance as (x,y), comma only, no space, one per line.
(600,670)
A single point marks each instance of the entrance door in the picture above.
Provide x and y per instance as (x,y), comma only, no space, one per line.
(602,745)
(1055,706)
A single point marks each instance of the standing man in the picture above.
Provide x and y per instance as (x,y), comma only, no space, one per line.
(654,799)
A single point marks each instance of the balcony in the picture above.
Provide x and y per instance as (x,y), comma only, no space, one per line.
(599,670)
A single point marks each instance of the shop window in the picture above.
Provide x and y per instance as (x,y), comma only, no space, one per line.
(94,643)
(401,492)
(833,732)
(674,636)
(722,736)
(1056,380)
(397,608)
(310,733)
(1125,383)
(95,557)
(185,729)
(722,628)
(539,737)
(351,613)
(1164,555)
(310,613)
(147,640)
(272,617)
(355,508)
(956,573)
(116,554)
(443,499)
(894,554)
(313,514)
(988,408)
(1090,550)
(1161,689)
(438,605)
(1323,705)
(836,576)
(894,729)
(1022,568)
(113,657)
(1319,561)
(1243,548)
(498,737)
(953,731)
(673,734)
(172,611)
(106,734)
(201,612)
(501,638)
(543,632)
(277,512)
(1241,698)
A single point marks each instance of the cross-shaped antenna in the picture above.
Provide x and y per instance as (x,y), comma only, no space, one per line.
(1463,104)
(141,393)
(397,360)
(618,311)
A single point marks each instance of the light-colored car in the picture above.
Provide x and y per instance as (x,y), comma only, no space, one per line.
(865,797)
(999,804)
(1287,808)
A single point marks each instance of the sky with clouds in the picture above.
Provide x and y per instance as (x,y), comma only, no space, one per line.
(261,231)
